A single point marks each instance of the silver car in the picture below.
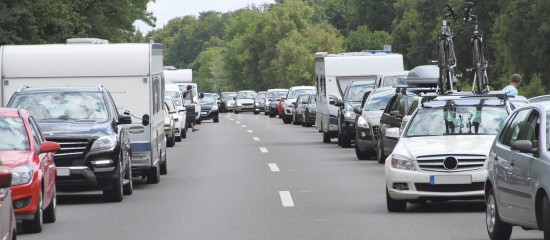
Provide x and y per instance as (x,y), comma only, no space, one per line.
(518,184)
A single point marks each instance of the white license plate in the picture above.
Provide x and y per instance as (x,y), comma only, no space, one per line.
(63,172)
(451,179)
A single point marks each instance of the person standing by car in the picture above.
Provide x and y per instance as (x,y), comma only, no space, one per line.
(189,95)
(515,82)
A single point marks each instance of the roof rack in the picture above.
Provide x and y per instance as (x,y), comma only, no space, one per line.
(22,88)
(416,90)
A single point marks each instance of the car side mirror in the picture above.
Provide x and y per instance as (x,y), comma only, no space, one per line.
(48,146)
(339,103)
(124,119)
(396,114)
(332,102)
(172,111)
(145,120)
(5,177)
(270,99)
(293,103)
(358,110)
(524,146)
(234,98)
(393,133)
(201,95)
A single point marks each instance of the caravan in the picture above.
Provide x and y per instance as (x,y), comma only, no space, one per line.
(184,78)
(133,73)
(333,74)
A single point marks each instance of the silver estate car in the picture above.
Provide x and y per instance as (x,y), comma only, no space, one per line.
(518,184)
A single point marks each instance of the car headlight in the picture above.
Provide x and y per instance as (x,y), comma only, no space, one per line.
(214,108)
(21,175)
(402,162)
(239,104)
(289,106)
(349,115)
(105,142)
(362,122)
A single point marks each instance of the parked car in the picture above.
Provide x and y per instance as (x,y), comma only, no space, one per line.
(278,98)
(353,97)
(293,93)
(227,101)
(30,158)
(169,126)
(173,91)
(7,218)
(244,102)
(273,95)
(402,104)
(209,106)
(442,153)
(543,98)
(179,118)
(299,108)
(516,188)
(95,145)
(391,79)
(259,102)
(368,122)
(310,112)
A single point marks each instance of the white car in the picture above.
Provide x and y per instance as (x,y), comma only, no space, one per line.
(442,152)
(288,105)
(179,119)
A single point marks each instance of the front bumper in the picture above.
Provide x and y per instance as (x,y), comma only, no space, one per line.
(259,108)
(244,108)
(348,128)
(27,193)
(209,114)
(418,186)
(87,175)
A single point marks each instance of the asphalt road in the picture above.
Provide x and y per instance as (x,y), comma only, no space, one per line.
(223,183)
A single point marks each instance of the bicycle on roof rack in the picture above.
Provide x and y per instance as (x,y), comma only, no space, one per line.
(446,54)
(479,53)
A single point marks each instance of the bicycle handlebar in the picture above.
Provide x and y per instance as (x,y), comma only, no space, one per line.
(450,12)
(468,16)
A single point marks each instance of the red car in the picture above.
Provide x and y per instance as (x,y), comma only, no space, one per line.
(7,219)
(281,107)
(30,159)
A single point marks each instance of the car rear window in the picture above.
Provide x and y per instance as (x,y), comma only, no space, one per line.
(14,136)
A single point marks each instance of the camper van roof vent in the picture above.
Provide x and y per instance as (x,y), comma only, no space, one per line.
(376,51)
(86,41)
(170,68)
(22,88)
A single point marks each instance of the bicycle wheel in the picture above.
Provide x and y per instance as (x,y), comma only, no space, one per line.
(442,62)
(480,74)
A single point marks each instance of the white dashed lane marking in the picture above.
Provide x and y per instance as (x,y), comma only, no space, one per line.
(257,139)
(273,167)
(286,199)
(250,131)
(243,125)
(263,150)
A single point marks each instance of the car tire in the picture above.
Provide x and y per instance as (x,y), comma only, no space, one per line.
(199,121)
(395,205)
(116,192)
(287,120)
(184,132)
(178,139)
(266,113)
(171,140)
(35,225)
(380,156)
(345,142)
(153,175)
(256,113)
(495,227)
(216,119)
(164,165)
(128,188)
(360,154)
(326,137)
(50,213)
(546,217)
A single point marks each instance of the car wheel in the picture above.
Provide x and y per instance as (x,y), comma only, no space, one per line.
(184,132)
(546,217)
(380,150)
(35,225)
(256,113)
(495,227)
(171,140)
(153,175)
(216,119)
(345,141)
(178,138)
(287,120)
(50,213)
(395,205)
(199,121)
(115,194)
(360,154)
(266,113)
(326,137)
(128,188)
(164,165)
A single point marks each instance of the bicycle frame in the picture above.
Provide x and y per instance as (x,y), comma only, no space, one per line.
(480,83)
(447,58)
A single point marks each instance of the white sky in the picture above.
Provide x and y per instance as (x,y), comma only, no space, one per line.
(165,10)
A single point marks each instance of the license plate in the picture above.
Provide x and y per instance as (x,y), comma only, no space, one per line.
(63,172)
(451,179)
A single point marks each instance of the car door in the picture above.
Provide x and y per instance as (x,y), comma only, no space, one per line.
(46,160)
(501,153)
(394,122)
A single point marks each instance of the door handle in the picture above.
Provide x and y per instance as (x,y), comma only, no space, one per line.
(512,163)
(496,158)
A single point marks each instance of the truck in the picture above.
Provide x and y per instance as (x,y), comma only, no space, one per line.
(333,74)
(132,72)
(184,78)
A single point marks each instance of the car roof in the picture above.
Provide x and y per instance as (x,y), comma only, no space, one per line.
(392,74)
(246,91)
(9,112)
(277,90)
(302,87)
(362,82)
(61,89)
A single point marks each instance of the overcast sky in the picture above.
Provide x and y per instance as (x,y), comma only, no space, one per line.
(165,10)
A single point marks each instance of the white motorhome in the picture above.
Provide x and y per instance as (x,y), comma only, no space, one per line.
(184,78)
(133,73)
(333,74)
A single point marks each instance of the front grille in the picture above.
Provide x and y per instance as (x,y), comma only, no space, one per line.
(426,187)
(438,163)
(71,147)
(375,130)
(247,104)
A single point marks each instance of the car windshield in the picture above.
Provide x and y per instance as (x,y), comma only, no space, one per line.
(170,104)
(294,93)
(176,95)
(14,135)
(394,81)
(355,93)
(260,96)
(228,96)
(63,105)
(247,95)
(378,100)
(457,120)
(208,99)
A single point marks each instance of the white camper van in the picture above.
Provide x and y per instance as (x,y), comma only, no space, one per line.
(333,74)
(184,78)
(133,73)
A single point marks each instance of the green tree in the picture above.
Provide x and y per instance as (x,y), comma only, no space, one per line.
(363,38)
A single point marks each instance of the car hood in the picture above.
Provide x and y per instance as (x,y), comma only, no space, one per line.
(373,117)
(443,145)
(13,159)
(74,128)
(245,100)
(207,105)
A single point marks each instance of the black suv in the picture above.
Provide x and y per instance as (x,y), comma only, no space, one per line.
(95,145)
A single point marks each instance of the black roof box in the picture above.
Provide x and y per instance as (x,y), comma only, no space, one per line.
(424,76)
